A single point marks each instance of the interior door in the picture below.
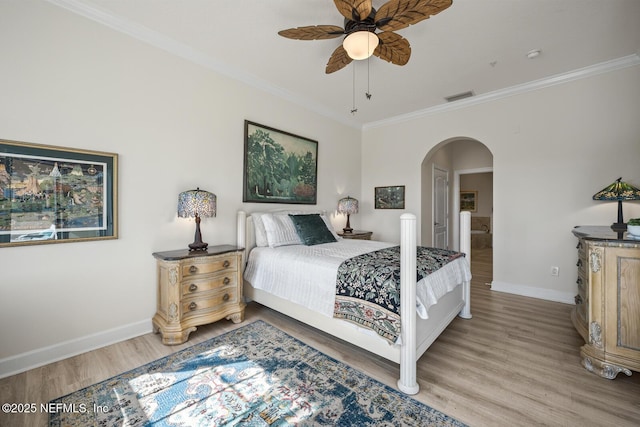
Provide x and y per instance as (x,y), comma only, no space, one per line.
(440,208)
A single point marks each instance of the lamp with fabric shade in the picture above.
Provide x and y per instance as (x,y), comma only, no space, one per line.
(619,191)
(348,205)
(199,204)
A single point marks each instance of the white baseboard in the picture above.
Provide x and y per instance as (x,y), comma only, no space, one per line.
(533,292)
(35,358)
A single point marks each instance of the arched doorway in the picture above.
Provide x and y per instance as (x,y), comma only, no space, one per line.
(469,167)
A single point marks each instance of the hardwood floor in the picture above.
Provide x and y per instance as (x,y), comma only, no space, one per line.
(516,363)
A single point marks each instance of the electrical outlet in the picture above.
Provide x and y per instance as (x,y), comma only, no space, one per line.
(555,271)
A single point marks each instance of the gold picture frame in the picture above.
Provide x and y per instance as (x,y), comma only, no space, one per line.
(469,201)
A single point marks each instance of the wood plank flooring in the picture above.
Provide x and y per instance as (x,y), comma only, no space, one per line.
(516,363)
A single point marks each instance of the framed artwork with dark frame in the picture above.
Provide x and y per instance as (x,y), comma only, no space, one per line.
(389,197)
(469,201)
(54,194)
(279,167)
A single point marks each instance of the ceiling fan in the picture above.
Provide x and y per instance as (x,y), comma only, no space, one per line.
(361,21)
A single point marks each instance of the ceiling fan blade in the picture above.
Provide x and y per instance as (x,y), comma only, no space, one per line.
(313,32)
(339,59)
(393,48)
(354,10)
(398,14)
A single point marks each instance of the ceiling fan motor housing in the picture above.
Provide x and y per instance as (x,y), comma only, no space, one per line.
(367,24)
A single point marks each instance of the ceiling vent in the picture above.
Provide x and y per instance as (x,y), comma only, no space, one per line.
(459,96)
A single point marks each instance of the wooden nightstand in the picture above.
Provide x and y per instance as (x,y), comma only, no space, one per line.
(196,288)
(356,234)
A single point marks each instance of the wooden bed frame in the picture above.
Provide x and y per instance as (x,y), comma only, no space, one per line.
(417,334)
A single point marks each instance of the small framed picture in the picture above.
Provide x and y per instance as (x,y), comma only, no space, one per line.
(469,201)
(389,197)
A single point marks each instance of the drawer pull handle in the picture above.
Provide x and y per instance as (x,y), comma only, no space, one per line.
(193,287)
(578,299)
(579,281)
(193,269)
(226,281)
(226,263)
(579,263)
(193,306)
(225,297)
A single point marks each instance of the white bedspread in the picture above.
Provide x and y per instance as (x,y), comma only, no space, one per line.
(306,275)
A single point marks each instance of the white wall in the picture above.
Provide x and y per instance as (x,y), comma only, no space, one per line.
(552,149)
(68,81)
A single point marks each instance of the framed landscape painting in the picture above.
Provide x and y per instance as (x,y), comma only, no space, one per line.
(389,197)
(279,167)
(469,201)
(54,195)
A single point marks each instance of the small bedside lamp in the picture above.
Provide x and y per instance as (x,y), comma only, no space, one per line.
(348,205)
(197,203)
(618,191)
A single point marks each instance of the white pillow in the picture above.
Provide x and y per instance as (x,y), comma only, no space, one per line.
(280,230)
(258,225)
(258,229)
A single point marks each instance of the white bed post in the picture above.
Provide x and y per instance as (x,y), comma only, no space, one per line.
(242,234)
(408,363)
(465,247)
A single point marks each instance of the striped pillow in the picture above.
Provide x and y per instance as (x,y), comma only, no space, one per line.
(280,230)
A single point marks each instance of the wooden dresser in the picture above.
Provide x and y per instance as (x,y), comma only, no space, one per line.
(607,311)
(195,288)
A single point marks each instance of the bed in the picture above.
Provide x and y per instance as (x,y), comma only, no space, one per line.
(426,318)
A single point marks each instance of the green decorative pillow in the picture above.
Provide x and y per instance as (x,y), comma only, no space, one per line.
(311,229)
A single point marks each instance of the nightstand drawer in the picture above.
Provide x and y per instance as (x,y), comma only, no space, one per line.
(197,286)
(194,306)
(200,268)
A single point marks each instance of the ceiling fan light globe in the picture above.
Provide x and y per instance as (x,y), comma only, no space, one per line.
(360,44)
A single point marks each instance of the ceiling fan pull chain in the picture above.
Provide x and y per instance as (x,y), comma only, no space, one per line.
(368,93)
(354,109)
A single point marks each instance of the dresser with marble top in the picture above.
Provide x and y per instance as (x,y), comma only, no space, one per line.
(607,310)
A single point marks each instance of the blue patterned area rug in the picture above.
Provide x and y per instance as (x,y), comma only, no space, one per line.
(256,375)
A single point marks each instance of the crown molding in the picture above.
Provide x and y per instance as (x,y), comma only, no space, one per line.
(581,73)
(184,51)
(174,47)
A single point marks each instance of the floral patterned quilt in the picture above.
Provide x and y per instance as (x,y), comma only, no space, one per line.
(368,287)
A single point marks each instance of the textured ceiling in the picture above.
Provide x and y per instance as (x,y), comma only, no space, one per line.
(475,45)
